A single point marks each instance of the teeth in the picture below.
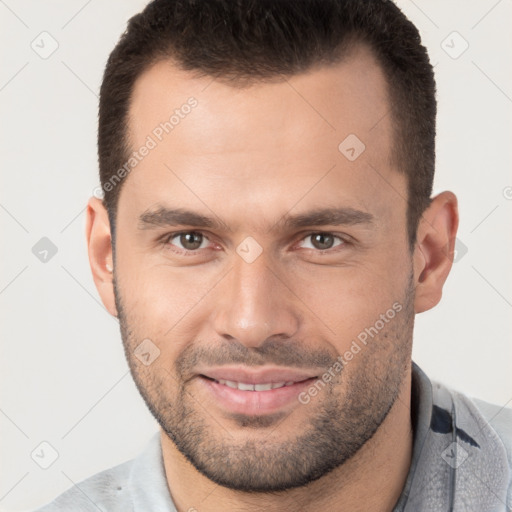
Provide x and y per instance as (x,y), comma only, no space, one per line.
(229,383)
(264,387)
(254,387)
(245,387)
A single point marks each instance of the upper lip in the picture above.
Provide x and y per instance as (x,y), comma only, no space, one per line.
(260,376)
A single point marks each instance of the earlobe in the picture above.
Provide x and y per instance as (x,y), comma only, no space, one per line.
(433,255)
(99,246)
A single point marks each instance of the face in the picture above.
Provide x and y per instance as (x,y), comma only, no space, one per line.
(252,248)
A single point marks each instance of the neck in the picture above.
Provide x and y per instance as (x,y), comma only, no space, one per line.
(371,480)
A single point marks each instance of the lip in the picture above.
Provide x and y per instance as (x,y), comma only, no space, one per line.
(260,376)
(254,402)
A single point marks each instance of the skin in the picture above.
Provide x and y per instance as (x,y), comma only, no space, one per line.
(248,156)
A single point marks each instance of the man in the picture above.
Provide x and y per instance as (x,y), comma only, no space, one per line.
(266,238)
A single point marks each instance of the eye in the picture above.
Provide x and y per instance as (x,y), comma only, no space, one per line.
(322,241)
(188,240)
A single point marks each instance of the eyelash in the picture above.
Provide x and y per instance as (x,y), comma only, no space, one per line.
(165,241)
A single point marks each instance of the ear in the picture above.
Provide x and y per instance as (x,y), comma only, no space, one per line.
(99,244)
(434,251)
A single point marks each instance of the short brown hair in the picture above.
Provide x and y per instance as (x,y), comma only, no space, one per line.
(248,40)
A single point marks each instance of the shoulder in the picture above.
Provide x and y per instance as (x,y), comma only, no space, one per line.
(500,420)
(484,433)
(106,490)
(495,421)
(139,484)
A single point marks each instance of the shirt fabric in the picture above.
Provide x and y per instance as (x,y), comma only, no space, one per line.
(461,462)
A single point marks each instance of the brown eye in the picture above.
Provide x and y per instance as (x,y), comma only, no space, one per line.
(189,240)
(322,240)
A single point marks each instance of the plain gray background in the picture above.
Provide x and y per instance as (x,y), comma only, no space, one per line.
(64,379)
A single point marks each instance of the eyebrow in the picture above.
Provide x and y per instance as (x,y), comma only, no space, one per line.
(169,217)
(325,216)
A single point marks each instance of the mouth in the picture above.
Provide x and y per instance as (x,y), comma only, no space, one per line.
(246,398)
(246,386)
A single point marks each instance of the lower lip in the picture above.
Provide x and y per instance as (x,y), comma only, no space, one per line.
(254,402)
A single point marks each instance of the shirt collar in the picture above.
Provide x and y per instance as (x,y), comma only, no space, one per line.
(147,480)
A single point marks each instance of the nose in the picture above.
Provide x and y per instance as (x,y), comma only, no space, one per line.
(254,304)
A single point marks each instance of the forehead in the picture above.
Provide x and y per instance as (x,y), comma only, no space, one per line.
(351,95)
(268,141)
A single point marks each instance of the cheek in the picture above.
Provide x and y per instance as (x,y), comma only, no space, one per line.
(158,292)
(162,304)
(348,300)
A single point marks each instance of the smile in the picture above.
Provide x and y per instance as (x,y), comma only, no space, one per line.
(251,398)
(243,386)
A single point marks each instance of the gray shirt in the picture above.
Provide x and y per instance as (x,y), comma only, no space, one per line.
(461,462)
